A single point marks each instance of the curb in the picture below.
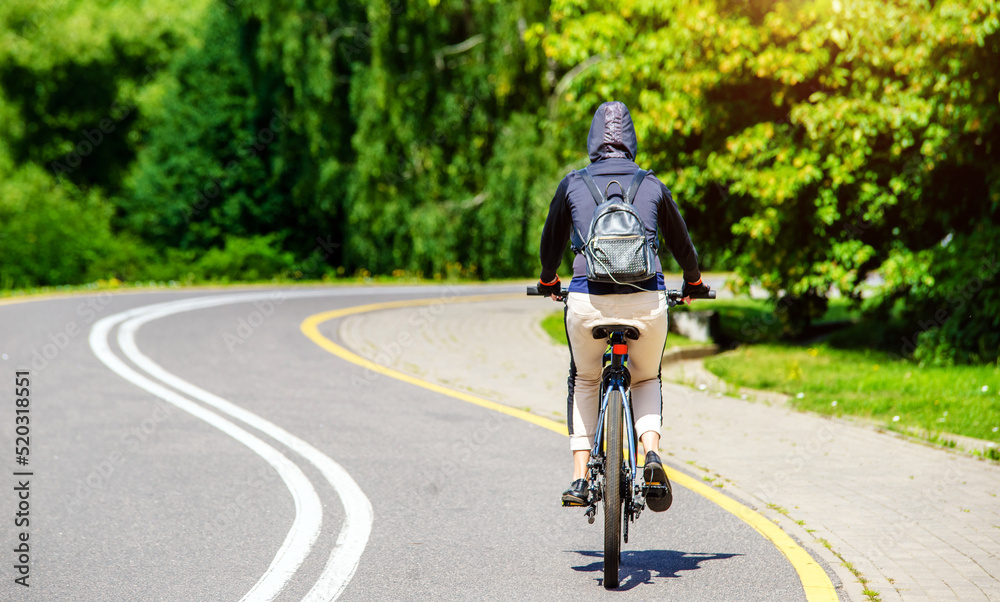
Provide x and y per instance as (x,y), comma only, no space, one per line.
(693,352)
(815,578)
(845,590)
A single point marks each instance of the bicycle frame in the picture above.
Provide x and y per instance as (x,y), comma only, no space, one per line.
(616,377)
(616,381)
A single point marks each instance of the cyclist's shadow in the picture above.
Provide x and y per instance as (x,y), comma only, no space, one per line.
(640,566)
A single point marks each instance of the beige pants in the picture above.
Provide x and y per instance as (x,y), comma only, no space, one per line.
(647,311)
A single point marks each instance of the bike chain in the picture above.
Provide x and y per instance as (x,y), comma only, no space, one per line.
(625,526)
(629,503)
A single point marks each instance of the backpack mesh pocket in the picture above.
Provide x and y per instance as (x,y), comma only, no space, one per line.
(624,257)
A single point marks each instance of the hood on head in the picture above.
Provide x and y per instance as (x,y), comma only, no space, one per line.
(612,133)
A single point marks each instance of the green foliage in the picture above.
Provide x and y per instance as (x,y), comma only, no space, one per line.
(250,259)
(945,299)
(521,178)
(412,170)
(962,400)
(74,74)
(48,234)
(51,234)
(440,109)
(810,143)
(201,173)
(831,136)
(227,153)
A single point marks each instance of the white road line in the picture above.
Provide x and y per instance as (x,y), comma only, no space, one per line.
(308,510)
(358,515)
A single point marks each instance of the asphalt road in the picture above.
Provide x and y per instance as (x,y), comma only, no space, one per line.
(240,483)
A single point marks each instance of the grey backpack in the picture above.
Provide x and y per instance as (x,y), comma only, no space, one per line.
(616,248)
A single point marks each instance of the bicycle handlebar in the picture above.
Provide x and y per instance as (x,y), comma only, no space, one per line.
(673,294)
(678,295)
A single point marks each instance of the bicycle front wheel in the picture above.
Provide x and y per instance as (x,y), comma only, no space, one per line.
(612,489)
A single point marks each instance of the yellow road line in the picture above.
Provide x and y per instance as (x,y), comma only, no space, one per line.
(310,328)
(38,297)
(815,582)
(814,579)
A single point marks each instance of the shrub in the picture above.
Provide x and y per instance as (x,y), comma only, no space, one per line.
(50,233)
(254,258)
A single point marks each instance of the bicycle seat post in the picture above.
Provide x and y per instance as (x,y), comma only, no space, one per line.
(619,349)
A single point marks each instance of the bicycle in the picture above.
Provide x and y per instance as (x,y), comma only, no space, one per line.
(613,466)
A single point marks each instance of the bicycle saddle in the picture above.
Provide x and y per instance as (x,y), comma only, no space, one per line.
(603,332)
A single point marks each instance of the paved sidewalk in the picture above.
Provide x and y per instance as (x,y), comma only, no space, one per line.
(917,522)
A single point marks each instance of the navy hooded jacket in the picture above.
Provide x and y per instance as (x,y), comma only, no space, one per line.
(612,147)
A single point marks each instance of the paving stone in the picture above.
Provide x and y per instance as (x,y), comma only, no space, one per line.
(892,507)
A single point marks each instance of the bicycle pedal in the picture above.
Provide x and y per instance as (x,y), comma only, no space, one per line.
(567,504)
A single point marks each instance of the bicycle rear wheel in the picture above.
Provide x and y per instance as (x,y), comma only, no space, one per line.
(612,489)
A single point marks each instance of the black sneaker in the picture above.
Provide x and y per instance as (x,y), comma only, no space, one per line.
(577,494)
(658,495)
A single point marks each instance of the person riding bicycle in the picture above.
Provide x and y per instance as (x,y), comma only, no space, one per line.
(612,147)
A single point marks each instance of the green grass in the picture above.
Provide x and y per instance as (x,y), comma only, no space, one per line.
(556,327)
(869,384)
(869,593)
(676,340)
(779,509)
(863,382)
(553,324)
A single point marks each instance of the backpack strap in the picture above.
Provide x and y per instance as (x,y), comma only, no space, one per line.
(576,241)
(633,190)
(576,238)
(629,196)
(592,185)
(633,187)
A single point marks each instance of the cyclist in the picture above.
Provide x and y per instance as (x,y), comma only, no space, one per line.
(612,145)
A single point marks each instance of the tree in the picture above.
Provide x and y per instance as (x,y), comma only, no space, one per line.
(72,75)
(250,138)
(445,80)
(832,137)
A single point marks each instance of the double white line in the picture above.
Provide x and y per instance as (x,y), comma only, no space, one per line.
(298,543)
